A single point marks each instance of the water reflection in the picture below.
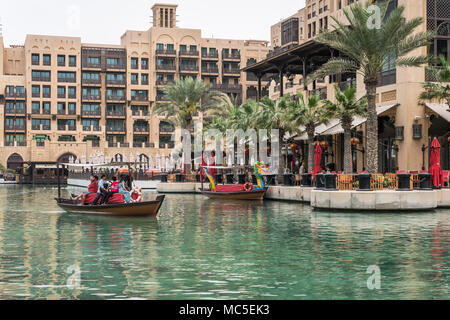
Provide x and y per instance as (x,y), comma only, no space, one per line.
(206,249)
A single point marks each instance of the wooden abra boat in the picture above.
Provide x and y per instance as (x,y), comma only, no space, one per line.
(139,209)
(236,195)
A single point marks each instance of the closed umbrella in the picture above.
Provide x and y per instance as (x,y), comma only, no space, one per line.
(317,160)
(435,164)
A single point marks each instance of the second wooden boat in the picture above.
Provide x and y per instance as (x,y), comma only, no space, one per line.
(236,195)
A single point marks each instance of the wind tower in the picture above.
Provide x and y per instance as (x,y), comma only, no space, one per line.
(164,15)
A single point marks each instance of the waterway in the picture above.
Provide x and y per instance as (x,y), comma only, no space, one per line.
(204,249)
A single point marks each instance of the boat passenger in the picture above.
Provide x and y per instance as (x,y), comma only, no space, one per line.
(114,189)
(102,190)
(123,188)
(92,188)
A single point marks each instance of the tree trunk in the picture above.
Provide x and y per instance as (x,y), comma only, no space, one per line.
(348,159)
(310,130)
(372,126)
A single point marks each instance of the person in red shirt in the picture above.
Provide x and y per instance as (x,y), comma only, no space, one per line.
(212,163)
(92,188)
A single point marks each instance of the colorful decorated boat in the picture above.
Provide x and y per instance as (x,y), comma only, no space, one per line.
(235,191)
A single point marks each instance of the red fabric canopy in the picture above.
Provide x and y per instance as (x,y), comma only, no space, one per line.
(317,160)
(435,164)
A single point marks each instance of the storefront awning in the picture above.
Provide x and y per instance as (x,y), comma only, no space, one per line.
(335,127)
(440,109)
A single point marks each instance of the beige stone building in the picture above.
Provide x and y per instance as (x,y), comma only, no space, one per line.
(406,126)
(60,97)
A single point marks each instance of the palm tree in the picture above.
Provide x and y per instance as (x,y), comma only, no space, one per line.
(365,50)
(439,90)
(345,108)
(185,99)
(276,115)
(308,114)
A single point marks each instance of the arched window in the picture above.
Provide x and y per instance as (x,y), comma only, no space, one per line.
(14,162)
(65,158)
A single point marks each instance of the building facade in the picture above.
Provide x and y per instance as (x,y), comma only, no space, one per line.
(407,126)
(60,97)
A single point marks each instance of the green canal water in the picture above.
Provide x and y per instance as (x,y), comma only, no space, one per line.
(203,249)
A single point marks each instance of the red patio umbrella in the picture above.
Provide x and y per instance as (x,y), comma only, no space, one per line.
(317,160)
(435,165)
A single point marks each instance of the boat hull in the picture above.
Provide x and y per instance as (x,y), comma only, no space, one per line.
(141,209)
(240,195)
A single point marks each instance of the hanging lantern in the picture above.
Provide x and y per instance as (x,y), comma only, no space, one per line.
(324,144)
(269,148)
(316,143)
(354,141)
(448,139)
(294,146)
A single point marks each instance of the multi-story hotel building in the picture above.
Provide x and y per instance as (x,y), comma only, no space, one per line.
(407,126)
(60,97)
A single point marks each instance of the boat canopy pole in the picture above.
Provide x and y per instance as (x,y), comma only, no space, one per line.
(59,182)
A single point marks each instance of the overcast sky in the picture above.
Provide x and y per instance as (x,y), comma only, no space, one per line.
(104,21)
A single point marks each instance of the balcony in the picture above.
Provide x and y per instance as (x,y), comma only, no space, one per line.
(228,88)
(115,98)
(189,54)
(161,83)
(166,67)
(46,111)
(61,95)
(232,72)
(120,66)
(115,114)
(210,56)
(67,80)
(231,56)
(91,128)
(91,113)
(40,79)
(161,98)
(14,111)
(137,113)
(16,95)
(116,82)
(139,97)
(72,96)
(34,111)
(91,97)
(141,129)
(61,112)
(188,68)
(163,52)
(210,70)
(90,65)
(40,127)
(115,130)
(14,128)
(92,81)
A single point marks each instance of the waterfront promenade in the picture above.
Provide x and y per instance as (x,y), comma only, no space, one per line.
(385,200)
